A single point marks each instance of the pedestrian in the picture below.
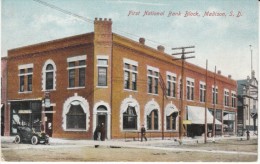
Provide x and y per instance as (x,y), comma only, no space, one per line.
(96,134)
(103,132)
(247,134)
(143,133)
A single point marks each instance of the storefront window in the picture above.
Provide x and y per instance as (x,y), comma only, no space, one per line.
(76,118)
(171,121)
(25,113)
(130,118)
(152,120)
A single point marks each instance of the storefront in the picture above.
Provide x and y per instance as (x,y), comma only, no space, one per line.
(26,113)
(197,117)
(229,122)
(218,127)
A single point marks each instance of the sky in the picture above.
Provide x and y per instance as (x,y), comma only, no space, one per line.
(222,40)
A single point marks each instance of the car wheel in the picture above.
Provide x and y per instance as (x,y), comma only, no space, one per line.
(34,140)
(17,139)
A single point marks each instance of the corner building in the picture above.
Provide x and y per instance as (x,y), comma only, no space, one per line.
(71,85)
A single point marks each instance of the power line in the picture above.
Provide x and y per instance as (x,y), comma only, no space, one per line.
(91,21)
(64,11)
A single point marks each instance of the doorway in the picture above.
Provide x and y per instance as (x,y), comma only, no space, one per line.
(49,121)
(102,117)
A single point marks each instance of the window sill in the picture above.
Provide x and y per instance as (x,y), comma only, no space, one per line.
(153,94)
(129,90)
(49,90)
(102,86)
(130,130)
(75,130)
(173,130)
(75,88)
(25,92)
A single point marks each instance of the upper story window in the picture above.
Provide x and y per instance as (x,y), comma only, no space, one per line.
(190,89)
(171,84)
(77,71)
(49,75)
(226,97)
(130,74)
(233,100)
(102,65)
(152,79)
(214,95)
(202,91)
(25,77)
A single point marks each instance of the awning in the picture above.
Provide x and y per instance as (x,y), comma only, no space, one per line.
(197,115)
(229,116)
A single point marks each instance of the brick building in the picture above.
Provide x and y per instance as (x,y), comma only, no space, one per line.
(3,92)
(73,84)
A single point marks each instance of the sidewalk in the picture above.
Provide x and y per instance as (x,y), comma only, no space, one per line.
(156,142)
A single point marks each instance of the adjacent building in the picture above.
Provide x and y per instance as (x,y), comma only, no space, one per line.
(248,104)
(3,92)
(73,84)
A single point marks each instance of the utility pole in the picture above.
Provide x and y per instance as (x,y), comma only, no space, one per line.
(214,101)
(162,84)
(181,111)
(206,99)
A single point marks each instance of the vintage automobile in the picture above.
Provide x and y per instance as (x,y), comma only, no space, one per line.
(27,134)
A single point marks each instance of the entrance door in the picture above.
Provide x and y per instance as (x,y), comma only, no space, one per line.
(102,117)
(48,121)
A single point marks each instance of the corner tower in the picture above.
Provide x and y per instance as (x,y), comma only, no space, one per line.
(102,73)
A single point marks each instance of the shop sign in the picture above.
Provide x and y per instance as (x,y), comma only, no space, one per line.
(25,111)
(186,121)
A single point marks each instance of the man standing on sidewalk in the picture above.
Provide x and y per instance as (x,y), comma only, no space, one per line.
(143,133)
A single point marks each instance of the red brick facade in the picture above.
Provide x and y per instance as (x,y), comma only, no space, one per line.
(104,103)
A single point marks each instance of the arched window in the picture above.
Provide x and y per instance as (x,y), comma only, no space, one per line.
(152,120)
(171,121)
(49,77)
(130,118)
(76,117)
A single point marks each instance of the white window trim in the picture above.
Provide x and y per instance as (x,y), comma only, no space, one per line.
(129,61)
(66,106)
(171,74)
(77,67)
(226,90)
(213,86)
(148,108)
(153,69)
(202,83)
(191,86)
(77,58)
(190,79)
(171,81)
(123,108)
(25,66)
(102,57)
(170,107)
(49,61)
(203,89)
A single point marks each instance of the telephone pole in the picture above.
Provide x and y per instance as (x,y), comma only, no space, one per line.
(181,111)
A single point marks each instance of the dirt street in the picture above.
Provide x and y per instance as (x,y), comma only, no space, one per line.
(224,151)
